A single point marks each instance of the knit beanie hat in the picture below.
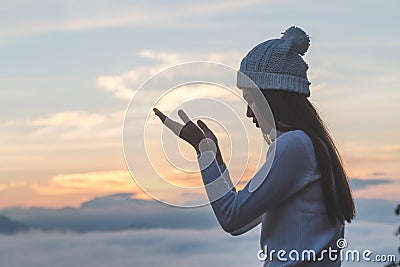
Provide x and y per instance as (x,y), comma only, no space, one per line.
(277,64)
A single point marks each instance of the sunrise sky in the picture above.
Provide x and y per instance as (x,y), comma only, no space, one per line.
(68,70)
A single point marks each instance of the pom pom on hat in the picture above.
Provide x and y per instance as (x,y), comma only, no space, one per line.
(299,40)
(277,64)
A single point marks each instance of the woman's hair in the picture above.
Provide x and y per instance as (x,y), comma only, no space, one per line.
(293,111)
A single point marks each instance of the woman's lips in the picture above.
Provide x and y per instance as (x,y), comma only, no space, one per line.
(256,123)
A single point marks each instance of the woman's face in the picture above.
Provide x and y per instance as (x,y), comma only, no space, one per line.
(258,110)
(250,114)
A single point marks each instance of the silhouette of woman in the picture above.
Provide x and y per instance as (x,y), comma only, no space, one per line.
(304,198)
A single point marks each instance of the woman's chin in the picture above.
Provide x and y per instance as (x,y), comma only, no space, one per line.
(265,130)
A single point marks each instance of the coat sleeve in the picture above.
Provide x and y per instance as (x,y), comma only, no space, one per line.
(285,172)
(248,226)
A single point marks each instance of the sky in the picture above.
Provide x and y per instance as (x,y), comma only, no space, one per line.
(69,70)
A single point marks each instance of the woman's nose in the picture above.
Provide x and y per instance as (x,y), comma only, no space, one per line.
(249,112)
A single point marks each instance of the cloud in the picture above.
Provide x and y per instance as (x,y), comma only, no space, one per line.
(389,191)
(375,210)
(127,211)
(8,226)
(385,191)
(161,247)
(89,182)
(11,185)
(375,236)
(124,85)
(119,230)
(72,118)
(375,188)
(130,248)
(366,159)
(112,213)
(116,85)
(386,152)
(357,184)
(71,125)
(68,16)
(116,181)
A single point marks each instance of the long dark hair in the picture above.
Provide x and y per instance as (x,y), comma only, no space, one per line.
(293,111)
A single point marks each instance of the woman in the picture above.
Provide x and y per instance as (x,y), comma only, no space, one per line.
(304,199)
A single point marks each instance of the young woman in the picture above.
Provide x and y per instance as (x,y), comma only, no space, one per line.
(304,199)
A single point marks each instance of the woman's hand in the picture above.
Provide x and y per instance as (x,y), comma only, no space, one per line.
(190,132)
(209,134)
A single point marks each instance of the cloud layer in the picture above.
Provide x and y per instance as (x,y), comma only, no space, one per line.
(160,247)
(123,211)
(113,213)
(120,231)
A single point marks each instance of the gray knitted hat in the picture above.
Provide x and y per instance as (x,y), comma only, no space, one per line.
(276,64)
